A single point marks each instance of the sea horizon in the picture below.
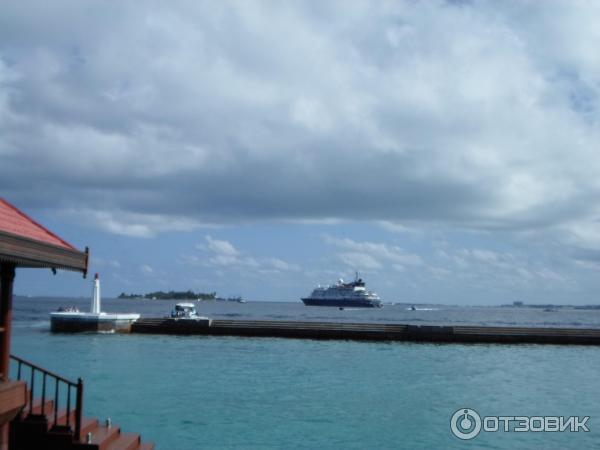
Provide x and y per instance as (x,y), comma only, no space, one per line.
(182,392)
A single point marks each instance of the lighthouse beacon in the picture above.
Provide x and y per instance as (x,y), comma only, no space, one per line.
(69,320)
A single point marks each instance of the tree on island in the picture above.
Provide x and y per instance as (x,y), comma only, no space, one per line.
(172,295)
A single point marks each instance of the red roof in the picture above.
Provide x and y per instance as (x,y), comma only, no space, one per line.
(18,223)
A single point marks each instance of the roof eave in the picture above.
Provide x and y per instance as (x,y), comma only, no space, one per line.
(25,252)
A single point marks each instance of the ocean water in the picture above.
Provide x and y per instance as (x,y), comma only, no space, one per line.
(261,393)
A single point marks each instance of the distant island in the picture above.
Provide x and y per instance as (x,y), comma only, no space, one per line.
(549,306)
(172,295)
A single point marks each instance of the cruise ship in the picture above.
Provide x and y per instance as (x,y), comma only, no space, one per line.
(344,295)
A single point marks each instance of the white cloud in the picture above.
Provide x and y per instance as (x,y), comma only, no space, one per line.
(360,261)
(131,224)
(225,254)
(395,227)
(222,248)
(484,255)
(585,233)
(501,269)
(279,264)
(146,269)
(311,114)
(371,255)
(102,262)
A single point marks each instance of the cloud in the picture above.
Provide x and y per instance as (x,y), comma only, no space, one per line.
(279,265)
(501,269)
(371,255)
(146,269)
(155,118)
(101,262)
(132,224)
(396,227)
(223,248)
(225,254)
(360,260)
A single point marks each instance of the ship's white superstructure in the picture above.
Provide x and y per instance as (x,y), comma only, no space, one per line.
(344,295)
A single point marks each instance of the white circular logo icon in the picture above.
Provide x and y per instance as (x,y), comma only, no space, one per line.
(465,423)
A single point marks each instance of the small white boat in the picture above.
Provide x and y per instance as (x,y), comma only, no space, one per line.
(184,311)
(187,311)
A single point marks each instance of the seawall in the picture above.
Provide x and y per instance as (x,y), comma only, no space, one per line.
(369,331)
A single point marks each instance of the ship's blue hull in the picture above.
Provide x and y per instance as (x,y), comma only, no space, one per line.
(342,303)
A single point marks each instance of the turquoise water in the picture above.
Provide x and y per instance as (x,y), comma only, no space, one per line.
(258,393)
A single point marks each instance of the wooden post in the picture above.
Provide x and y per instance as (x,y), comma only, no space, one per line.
(78,408)
(7,276)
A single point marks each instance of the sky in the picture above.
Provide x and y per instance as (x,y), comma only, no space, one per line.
(445,150)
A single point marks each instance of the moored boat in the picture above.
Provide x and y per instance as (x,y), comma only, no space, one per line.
(187,311)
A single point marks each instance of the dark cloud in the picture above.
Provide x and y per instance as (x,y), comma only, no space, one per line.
(196,112)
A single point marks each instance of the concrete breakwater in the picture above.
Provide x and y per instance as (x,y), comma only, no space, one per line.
(368,331)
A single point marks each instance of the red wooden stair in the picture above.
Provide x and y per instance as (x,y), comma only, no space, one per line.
(43,424)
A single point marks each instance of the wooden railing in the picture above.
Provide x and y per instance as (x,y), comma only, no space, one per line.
(34,373)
